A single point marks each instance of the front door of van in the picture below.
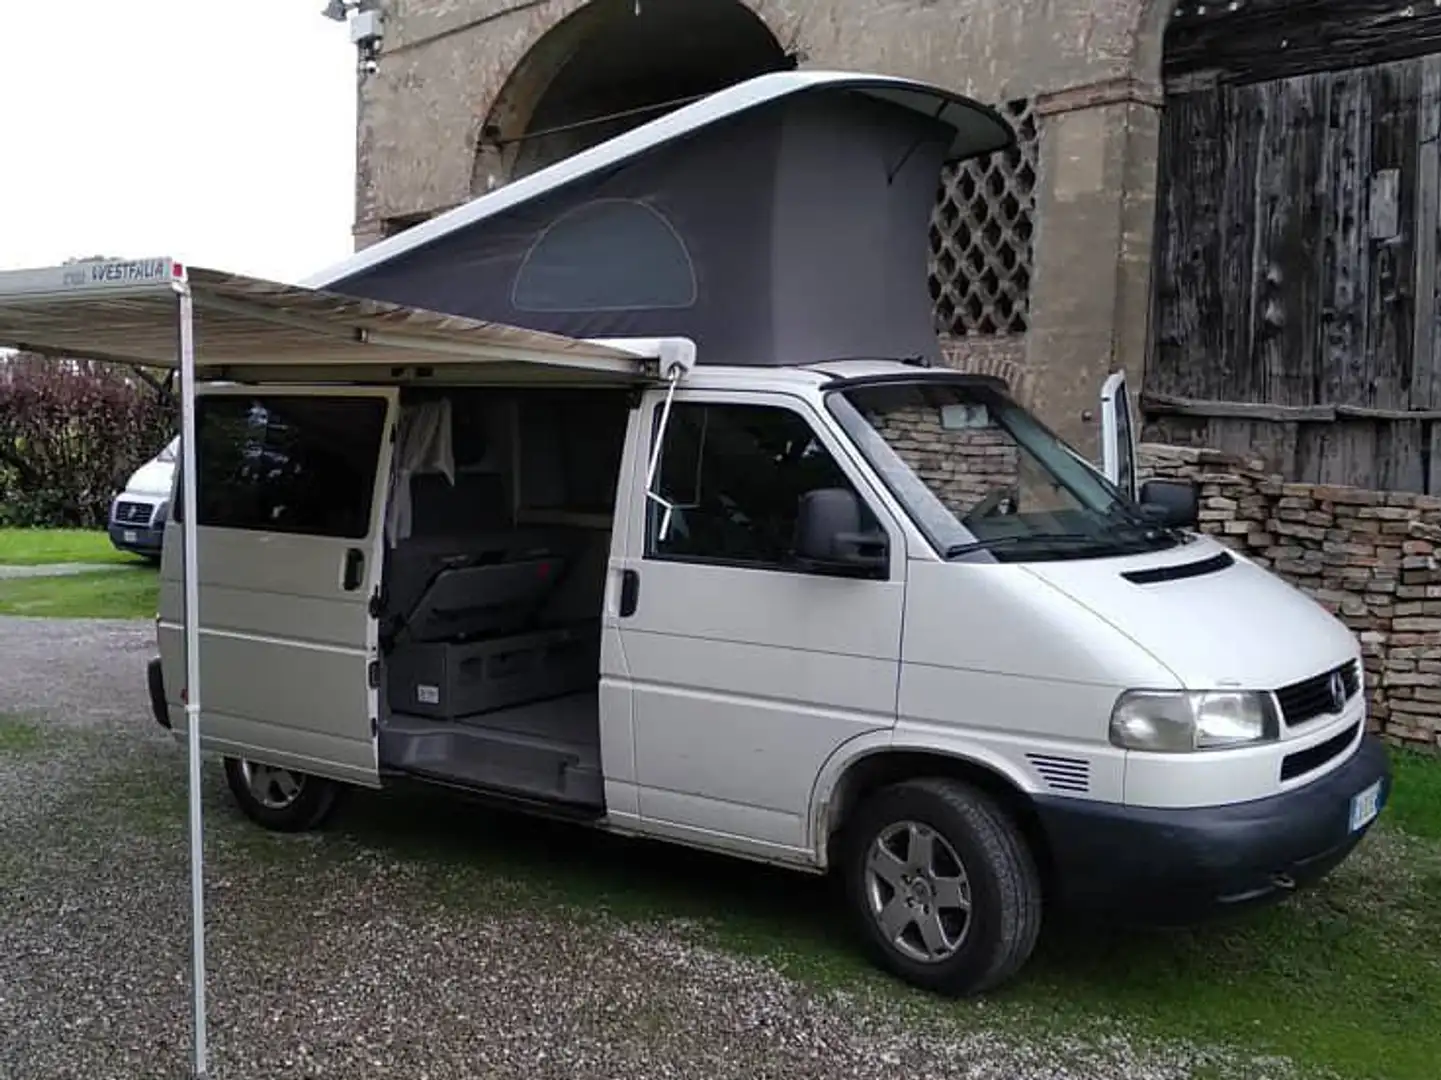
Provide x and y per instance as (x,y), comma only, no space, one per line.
(1118,435)
(747,670)
(291,485)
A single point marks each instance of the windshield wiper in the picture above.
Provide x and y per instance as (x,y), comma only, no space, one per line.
(1150,531)
(955,551)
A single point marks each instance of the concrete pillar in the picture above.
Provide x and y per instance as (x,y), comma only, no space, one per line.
(1095,212)
(365,233)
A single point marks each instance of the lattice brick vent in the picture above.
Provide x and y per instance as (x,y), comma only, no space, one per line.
(981,231)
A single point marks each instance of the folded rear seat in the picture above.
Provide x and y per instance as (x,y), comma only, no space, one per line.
(464,628)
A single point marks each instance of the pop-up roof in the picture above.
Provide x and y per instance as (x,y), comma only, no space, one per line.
(781,221)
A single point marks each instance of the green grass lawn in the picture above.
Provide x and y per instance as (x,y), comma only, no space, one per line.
(129,592)
(34,547)
(19,736)
(1416,801)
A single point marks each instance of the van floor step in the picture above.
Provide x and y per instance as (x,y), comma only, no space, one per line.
(500,797)
(484,758)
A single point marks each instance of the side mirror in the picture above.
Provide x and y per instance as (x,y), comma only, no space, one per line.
(829,537)
(1171,502)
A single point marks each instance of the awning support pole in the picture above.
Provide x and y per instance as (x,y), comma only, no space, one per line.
(189,533)
(673,378)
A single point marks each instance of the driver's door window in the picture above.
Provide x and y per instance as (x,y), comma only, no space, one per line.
(730,481)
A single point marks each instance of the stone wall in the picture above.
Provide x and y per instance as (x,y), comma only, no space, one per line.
(1370,557)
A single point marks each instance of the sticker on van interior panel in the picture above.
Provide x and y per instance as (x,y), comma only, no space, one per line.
(965,416)
(427,695)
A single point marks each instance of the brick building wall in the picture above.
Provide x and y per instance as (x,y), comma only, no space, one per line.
(1372,558)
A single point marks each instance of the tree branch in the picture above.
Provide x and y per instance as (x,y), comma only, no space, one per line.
(162,388)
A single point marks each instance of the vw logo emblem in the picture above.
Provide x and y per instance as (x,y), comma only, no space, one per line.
(1338,692)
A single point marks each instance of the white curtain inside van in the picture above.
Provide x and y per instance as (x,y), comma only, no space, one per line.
(423,444)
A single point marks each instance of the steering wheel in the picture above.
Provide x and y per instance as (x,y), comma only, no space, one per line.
(1001,501)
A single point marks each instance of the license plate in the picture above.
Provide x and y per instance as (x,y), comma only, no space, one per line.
(1365,806)
(131,536)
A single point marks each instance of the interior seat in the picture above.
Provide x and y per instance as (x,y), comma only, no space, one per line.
(464,630)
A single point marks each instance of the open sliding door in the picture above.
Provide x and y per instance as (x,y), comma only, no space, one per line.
(292,489)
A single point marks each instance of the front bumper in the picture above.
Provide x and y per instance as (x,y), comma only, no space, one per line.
(141,541)
(1178,866)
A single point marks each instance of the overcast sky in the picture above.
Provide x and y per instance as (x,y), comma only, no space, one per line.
(221,132)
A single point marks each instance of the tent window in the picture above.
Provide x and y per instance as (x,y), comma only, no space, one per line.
(608,255)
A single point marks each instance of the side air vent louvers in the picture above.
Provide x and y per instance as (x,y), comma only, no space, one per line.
(1072,775)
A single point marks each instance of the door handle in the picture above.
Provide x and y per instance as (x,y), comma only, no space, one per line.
(629,592)
(354,569)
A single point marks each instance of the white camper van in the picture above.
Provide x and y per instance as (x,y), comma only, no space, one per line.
(856,617)
(137,514)
(698,557)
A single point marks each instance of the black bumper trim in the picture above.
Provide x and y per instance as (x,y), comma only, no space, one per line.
(146,542)
(1178,866)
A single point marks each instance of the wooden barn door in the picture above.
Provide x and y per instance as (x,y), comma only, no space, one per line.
(1295,286)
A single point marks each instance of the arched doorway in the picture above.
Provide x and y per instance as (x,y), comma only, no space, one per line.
(612,65)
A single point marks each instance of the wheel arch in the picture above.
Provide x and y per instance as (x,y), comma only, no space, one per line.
(847,782)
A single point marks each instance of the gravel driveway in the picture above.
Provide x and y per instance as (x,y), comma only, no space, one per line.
(344,954)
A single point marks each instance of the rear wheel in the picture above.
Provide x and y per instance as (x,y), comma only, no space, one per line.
(280,799)
(943,886)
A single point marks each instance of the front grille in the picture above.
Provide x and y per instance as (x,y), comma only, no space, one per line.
(1304,701)
(1304,761)
(133,513)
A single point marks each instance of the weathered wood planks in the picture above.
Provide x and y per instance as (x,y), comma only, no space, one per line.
(1298,234)
(1264,40)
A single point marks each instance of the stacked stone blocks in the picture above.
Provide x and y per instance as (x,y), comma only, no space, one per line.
(1369,557)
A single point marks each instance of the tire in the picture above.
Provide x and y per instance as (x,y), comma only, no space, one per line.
(280,799)
(912,912)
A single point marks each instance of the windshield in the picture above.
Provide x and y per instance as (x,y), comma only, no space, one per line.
(979,473)
(167,455)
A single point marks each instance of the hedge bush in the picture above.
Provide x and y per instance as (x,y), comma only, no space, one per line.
(71,432)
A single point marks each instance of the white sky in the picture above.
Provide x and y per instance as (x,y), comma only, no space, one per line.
(221,132)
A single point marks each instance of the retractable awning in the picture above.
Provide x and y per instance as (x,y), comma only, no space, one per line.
(160,313)
(251,329)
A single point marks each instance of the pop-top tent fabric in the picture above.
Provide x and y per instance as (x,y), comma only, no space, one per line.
(784,221)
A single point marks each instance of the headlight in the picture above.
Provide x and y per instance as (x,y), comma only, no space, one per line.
(1177,721)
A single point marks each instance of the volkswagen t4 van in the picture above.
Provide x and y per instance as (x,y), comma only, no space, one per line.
(804,596)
